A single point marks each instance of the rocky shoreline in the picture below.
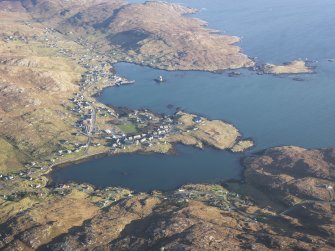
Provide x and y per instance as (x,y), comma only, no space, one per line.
(294,67)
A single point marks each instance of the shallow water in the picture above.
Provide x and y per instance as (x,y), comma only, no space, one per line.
(272,110)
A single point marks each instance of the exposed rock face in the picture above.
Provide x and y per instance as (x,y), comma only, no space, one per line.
(36,226)
(301,182)
(196,217)
(294,172)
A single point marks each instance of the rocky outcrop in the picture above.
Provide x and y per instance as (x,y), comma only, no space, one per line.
(294,67)
(300,184)
(195,217)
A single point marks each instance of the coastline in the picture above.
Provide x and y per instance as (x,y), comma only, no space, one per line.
(100,90)
(96,94)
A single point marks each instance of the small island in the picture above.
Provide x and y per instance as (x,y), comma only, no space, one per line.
(294,67)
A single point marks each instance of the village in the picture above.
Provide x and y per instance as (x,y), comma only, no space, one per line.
(138,127)
(108,130)
(117,129)
(147,128)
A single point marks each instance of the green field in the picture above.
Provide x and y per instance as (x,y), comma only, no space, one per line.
(128,128)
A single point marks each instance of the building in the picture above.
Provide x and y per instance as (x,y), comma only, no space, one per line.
(197,119)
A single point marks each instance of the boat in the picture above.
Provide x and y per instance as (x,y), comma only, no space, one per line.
(160,79)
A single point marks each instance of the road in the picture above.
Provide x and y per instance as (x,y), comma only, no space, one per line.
(306,202)
(91,127)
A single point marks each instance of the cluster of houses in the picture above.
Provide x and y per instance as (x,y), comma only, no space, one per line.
(14,37)
(14,196)
(223,199)
(104,112)
(23,175)
(79,103)
(85,109)
(76,148)
(140,118)
(98,72)
(63,52)
(47,40)
(6,177)
(122,140)
(110,195)
(159,129)
(92,76)
(83,42)
(69,148)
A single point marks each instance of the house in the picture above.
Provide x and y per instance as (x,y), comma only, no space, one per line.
(128,142)
(137,136)
(197,119)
